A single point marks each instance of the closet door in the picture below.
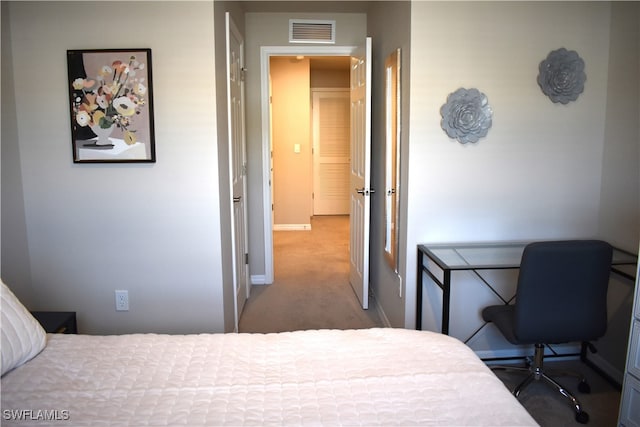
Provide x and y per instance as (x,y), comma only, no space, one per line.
(331,152)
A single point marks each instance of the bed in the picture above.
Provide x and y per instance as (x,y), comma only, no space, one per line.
(380,376)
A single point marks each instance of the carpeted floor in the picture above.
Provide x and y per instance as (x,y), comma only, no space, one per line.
(550,409)
(311,289)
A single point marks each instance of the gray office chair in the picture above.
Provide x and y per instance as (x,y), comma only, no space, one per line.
(561,297)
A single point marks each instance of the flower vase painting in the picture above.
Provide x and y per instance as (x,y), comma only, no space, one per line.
(111,105)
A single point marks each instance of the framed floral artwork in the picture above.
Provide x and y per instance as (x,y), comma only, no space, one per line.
(111,100)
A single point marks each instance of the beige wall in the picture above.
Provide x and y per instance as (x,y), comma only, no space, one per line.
(292,177)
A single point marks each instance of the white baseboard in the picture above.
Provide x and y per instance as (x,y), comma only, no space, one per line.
(291,227)
(259,279)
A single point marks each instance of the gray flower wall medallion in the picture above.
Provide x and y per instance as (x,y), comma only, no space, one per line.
(466,116)
(562,75)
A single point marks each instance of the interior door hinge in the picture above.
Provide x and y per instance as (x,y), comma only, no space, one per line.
(246,258)
(243,72)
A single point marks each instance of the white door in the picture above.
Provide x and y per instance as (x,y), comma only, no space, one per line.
(237,164)
(331,152)
(360,172)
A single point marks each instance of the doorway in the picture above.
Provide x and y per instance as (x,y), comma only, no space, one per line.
(310,152)
(359,185)
(360,164)
(292,52)
(310,131)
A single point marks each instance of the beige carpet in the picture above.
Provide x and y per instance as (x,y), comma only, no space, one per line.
(311,289)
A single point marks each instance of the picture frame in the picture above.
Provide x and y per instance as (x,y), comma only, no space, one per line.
(111,105)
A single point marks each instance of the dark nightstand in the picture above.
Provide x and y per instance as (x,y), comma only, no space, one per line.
(57,322)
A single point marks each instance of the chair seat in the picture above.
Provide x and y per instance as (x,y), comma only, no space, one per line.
(503,317)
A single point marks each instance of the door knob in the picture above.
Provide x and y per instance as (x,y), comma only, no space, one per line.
(364,191)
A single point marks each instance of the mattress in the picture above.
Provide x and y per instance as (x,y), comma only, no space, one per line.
(324,377)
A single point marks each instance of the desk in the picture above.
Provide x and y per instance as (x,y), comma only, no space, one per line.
(437,262)
(483,256)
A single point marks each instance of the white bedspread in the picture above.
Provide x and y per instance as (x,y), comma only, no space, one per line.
(357,377)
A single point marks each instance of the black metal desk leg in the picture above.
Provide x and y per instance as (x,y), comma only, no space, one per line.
(446,299)
(419,291)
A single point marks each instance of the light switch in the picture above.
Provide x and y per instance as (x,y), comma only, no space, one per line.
(296,148)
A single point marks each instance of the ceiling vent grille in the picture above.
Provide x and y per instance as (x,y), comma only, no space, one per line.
(312,31)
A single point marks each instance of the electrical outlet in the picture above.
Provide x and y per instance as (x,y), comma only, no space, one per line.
(122,300)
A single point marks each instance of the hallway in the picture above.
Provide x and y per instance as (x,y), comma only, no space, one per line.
(311,289)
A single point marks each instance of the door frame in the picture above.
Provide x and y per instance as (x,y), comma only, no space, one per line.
(266,52)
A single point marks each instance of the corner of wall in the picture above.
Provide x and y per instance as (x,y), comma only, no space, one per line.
(619,216)
(14,249)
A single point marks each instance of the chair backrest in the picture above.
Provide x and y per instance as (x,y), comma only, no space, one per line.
(562,291)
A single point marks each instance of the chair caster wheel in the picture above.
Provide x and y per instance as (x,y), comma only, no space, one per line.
(582,417)
(584,387)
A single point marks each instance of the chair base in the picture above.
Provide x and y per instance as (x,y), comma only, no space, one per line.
(536,373)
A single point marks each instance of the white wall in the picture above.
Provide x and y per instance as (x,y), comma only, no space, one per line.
(153,229)
(538,172)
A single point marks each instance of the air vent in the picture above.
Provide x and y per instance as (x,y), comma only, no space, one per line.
(312,31)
